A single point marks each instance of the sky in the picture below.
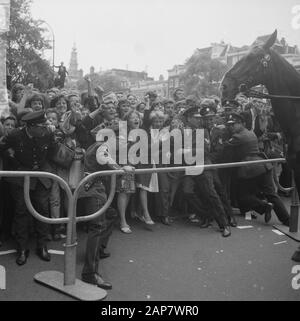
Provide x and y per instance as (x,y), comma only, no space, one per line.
(154,35)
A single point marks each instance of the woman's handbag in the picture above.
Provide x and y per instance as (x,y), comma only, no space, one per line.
(63,155)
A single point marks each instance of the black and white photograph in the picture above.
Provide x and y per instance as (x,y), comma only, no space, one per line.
(149,153)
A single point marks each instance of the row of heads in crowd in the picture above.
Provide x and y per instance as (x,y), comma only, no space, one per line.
(56,102)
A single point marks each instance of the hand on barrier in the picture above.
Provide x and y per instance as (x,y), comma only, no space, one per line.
(128,169)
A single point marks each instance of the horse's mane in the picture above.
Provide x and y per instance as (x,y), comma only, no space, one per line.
(283,79)
(285,73)
(279,62)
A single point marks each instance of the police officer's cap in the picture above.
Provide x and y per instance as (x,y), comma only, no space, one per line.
(235,118)
(208,107)
(35,117)
(194,111)
(207,111)
(231,104)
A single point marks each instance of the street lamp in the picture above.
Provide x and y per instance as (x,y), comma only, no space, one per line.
(53,41)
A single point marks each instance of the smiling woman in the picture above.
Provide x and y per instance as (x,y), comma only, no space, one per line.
(36,102)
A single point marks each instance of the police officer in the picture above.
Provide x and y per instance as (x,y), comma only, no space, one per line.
(215,134)
(29,149)
(201,189)
(255,186)
(229,107)
(225,155)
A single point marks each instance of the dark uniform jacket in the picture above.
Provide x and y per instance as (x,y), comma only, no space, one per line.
(245,148)
(83,129)
(28,154)
(218,135)
(95,187)
(87,128)
(189,141)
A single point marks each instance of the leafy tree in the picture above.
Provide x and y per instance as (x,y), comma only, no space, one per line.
(202,75)
(25,46)
(106,81)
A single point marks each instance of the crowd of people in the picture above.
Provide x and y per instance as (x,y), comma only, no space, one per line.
(57,131)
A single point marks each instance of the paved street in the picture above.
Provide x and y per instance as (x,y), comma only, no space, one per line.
(181,262)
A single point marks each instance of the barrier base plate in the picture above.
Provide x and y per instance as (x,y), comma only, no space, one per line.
(296,256)
(80,290)
(286,230)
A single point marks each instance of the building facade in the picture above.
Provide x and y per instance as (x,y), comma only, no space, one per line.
(129,78)
(160,87)
(229,55)
(174,80)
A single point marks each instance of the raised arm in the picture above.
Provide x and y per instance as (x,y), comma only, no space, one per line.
(89,84)
(104,158)
(20,107)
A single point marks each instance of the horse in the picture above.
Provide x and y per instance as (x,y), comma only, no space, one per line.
(264,66)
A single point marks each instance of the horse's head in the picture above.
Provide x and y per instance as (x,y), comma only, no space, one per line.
(250,71)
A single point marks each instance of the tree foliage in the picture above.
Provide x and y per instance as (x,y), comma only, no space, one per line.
(25,46)
(106,81)
(202,75)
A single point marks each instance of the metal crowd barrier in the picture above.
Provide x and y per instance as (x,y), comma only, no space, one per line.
(66,282)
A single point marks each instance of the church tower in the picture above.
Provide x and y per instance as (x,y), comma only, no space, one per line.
(74,73)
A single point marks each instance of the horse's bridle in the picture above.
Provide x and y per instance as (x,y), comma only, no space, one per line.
(245,87)
(256,94)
